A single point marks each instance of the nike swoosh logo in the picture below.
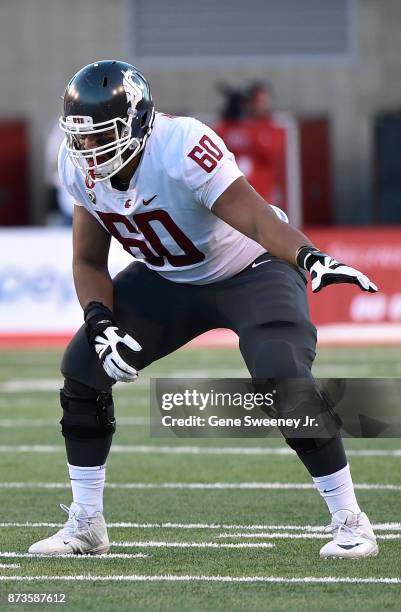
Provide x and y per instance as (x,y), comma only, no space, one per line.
(330,490)
(146,202)
(259,263)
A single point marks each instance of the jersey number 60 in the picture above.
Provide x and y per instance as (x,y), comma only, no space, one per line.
(141,224)
(206,154)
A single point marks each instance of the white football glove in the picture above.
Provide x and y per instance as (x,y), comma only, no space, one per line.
(115,348)
(325,270)
(107,346)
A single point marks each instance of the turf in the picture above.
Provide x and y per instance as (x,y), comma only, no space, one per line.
(155,507)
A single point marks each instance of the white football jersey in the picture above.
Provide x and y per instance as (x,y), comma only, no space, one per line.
(165,217)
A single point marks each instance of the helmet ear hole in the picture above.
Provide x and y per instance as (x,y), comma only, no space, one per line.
(144,119)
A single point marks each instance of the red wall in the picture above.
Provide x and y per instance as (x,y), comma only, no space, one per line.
(315,165)
(377,253)
(14,200)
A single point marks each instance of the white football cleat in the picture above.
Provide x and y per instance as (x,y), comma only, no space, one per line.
(81,535)
(353,537)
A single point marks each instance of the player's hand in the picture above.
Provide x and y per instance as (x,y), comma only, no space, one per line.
(325,270)
(114,347)
(109,345)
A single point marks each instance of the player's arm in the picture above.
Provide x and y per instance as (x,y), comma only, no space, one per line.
(244,209)
(91,244)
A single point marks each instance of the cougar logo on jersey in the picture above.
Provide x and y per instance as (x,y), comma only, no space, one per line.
(91,195)
(132,90)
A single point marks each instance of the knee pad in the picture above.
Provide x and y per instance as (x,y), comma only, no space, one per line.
(324,405)
(298,398)
(304,446)
(87,413)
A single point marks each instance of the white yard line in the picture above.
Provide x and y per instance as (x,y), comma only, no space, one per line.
(186,450)
(298,536)
(16,555)
(202,486)
(24,385)
(162,544)
(28,423)
(33,385)
(154,449)
(30,384)
(201,578)
(374,452)
(204,373)
(9,566)
(178,526)
(34,448)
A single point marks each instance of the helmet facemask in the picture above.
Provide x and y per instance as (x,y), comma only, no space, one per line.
(119,146)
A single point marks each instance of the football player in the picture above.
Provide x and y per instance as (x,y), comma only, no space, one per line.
(209,253)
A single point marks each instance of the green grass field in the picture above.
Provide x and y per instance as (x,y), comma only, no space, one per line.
(170,538)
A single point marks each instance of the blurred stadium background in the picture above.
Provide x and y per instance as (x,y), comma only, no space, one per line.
(334,67)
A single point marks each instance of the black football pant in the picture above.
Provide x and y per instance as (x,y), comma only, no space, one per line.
(265,305)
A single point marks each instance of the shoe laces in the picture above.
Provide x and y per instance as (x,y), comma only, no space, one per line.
(74,524)
(346,533)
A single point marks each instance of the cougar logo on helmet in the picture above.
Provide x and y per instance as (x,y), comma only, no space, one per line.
(132,90)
